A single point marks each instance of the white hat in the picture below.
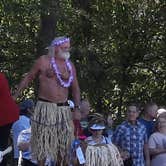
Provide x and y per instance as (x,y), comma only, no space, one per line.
(160,111)
(97,127)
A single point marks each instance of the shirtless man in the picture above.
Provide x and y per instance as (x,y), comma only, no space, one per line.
(52,127)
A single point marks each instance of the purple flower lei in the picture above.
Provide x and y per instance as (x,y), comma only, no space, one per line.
(56,71)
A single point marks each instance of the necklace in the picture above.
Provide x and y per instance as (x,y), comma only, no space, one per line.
(63,83)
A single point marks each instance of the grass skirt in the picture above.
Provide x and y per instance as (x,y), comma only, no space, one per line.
(52,131)
(103,155)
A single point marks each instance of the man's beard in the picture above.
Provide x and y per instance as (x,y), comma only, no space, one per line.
(64,54)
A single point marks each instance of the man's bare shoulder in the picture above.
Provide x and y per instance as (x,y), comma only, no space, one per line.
(43,59)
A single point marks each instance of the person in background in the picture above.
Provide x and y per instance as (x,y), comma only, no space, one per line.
(23,123)
(24,146)
(9,113)
(131,138)
(96,127)
(149,115)
(81,125)
(85,110)
(109,130)
(95,150)
(157,142)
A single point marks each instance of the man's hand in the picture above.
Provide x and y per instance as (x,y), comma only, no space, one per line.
(76,115)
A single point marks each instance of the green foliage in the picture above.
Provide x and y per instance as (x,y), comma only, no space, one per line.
(118,46)
(19,26)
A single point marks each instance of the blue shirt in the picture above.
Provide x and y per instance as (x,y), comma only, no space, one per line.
(25,137)
(131,138)
(149,125)
(21,124)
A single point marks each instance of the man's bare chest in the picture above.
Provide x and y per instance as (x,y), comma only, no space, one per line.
(47,71)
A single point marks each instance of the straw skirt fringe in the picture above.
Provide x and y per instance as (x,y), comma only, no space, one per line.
(52,131)
(103,155)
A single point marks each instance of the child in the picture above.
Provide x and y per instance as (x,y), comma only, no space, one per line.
(99,150)
(26,108)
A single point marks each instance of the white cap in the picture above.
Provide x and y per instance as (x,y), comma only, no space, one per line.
(97,127)
(160,111)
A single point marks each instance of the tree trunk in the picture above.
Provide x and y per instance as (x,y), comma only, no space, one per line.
(49,15)
(48,24)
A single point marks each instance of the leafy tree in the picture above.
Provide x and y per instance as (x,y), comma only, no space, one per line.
(118,46)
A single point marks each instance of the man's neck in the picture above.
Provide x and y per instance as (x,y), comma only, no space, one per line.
(132,122)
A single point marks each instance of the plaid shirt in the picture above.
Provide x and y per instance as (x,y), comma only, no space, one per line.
(131,138)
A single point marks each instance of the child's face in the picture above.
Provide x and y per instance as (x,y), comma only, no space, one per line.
(96,133)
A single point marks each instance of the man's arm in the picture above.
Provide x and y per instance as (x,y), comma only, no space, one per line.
(75,88)
(76,95)
(28,78)
(156,151)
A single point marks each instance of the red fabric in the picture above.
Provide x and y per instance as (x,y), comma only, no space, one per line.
(77,128)
(9,111)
